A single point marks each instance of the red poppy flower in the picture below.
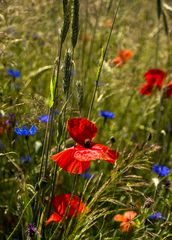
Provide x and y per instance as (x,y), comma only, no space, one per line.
(77,159)
(61,203)
(155,77)
(168,90)
(123,57)
(126,220)
(146,89)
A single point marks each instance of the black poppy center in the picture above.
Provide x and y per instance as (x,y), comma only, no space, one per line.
(87,143)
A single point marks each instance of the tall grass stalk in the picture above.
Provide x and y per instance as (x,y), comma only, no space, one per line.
(102,60)
(54,100)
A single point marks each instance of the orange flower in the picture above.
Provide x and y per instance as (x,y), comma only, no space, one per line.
(126,220)
(123,57)
(107,23)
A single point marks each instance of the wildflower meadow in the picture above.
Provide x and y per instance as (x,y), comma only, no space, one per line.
(86,120)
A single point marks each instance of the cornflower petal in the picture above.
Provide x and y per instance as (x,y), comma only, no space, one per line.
(14,73)
(33,130)
(44,118)
(25,131)
(18,131)
(156,216)
(161,170)
(107,114)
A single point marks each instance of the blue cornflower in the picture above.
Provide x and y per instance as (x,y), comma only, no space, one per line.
(156,216)
(44,118)
(33,130)
(14,73)
(87,175)
(25,159)
(24,131)
(107,114)
(161,170)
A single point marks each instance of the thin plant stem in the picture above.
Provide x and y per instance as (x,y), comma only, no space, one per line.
(14,230)
(27,143)
(103,57)
(91,45)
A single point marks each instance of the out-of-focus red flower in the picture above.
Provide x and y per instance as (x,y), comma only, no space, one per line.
(168,89)
(77,159)
(123,57)
(146,89)
(86,37)
(155,77)
(68,205)
(126,220)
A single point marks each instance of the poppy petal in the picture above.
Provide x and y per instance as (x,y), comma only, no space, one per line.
(54,217)
(168,89)
(126,54)
(67,161)
(81,129)
(155,77)
(130,215)
(119,218)
(126,226)
(118,61)
(65,202)
(60,203)
(95,152)
(146,89)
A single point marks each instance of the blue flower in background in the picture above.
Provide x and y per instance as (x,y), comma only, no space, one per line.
(14,73)
(24,131)
(107,114)
(25,159)
(87,175)
(33,130)
(156,216)
(161,170)
(44,118)
(32,230)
